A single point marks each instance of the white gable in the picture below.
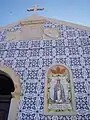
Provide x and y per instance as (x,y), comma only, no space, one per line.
(37,27)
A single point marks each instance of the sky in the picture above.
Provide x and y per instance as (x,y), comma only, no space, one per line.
(75,11)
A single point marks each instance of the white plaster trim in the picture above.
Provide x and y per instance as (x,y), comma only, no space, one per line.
(13,109)
(48,19)
(68,24)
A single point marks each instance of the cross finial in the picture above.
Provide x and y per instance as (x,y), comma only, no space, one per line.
(35,9)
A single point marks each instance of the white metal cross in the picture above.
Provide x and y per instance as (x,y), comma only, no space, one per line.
(35,9)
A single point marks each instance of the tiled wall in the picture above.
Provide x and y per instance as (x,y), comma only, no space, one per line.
(31,59)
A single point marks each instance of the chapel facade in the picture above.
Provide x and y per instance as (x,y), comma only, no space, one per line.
(44,70)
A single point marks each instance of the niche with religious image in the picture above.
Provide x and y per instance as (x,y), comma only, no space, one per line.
(59,91)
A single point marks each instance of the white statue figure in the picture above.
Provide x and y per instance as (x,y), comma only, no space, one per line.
(59,94)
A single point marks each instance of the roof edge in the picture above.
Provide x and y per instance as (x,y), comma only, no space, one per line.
(68,24)
(82,27)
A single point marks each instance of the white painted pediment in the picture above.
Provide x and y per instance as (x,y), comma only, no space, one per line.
(32,28)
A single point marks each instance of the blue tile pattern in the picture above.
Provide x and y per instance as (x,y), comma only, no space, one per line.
(30,59)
